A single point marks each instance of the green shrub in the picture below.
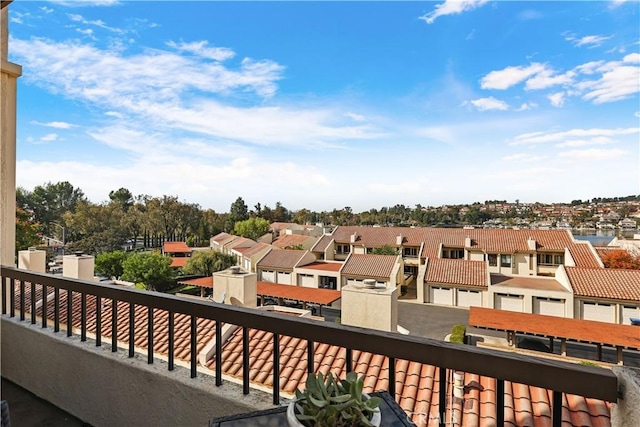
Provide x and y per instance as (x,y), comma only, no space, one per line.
(458,334)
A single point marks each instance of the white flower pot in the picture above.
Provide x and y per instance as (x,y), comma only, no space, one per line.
(293,421)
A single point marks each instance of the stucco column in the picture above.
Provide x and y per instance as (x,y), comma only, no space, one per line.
(9,74)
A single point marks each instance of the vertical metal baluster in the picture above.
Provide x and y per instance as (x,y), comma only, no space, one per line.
(349,360)
(557,408)
(499,402)
(245,360)
(392,377)
(44,306)
(171,338)
(12,297)
(98,321)
(276,369)
(218,353)
(83,316)
(114,326)
(33,303)
(194,339)
(22,302)
(442,395)
(56,309)
(132,329)
(69,313)
(310,357)
(150,336)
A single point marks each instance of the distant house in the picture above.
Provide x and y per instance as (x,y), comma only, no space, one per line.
(179,253)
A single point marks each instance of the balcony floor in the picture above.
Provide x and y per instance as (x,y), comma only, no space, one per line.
(28,410)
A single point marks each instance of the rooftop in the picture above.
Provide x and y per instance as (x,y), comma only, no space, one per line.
(540,283)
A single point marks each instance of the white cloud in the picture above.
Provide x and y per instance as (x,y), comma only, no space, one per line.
(50,137)
(521,157)
(451,7)
(355,117)
(546,78)
(556,99)
(593,154)
(599,140)
(57,125)
(46,9)
(510,76)
(490,103)
(546,137)
(617,81)
(98,23)
(201,49)
(586,41)
(633,58)
(527,106)
(84,3)
(86,31)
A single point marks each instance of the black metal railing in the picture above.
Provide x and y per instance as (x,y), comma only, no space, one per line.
(558,376)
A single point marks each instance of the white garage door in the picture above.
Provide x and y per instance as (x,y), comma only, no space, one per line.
(440,295)
(509,302)
(549,306)
(629,311)
(268,276)
(284,278)
(598,311)
(306,280)
(468,298)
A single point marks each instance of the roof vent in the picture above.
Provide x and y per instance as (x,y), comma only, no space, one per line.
(235,269)
(78,253)
(369,283)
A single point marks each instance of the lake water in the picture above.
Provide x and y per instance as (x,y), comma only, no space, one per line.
(601,237)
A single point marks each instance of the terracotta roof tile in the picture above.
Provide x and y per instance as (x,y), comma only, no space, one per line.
(241,242)
(253,250)
(323,266)
(287,240)
(175,247)
(457,271)
(177,262)
(605,283)
(281,259)
(370,266)
(322,244)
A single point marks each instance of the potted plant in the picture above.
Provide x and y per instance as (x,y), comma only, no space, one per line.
(331,402)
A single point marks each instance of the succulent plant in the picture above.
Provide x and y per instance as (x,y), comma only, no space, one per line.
(331,402)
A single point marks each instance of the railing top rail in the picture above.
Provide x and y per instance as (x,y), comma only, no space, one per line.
(587,381)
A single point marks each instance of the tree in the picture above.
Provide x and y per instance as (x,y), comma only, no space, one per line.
(27,232)
(621,259)
(49,202)
(111,264)
(238,211)
(149,269)
(385,250)
(205,263)
(252,228)
(122,197)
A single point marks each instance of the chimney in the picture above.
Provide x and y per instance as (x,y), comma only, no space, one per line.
(375,308)
(236,286)
(354,237)
(78,266)
(467,242)
(33,259)
(399,240)
(531,244)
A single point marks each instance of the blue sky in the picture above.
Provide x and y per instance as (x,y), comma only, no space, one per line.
(322,105)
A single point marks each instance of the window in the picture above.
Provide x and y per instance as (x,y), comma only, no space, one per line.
(343,249)
(550,259)
(410,252)
(369,250)
(453,253)
(493,260)
(505,260)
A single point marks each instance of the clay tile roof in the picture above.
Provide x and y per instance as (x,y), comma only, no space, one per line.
(287,240)
(298,293)
(249,252)
(417,385)
(203,282)
(322,244)
(221,236)
(604,250)
(605,283)
(324,266)
(175,247)
(279,226)
(177,262)
(557,327)
(373,266)
(457,271)
(241,242)
(281,259)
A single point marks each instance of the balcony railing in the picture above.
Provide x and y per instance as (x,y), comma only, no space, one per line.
(559,377)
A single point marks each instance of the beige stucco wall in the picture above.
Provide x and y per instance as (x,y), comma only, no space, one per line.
(78,267)
(34,260)
(528,296)
(242,287)
(370,308)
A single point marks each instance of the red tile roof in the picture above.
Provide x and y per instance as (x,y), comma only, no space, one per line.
(241,242)
(370,266)
(417,385)
(298,293)
(175,247)
(287,240)
(324,266)
(457,271)
(203,282)
(249,252)
(559,327)
(322,244)
(525,282)
(606,283)
(281,259)
(179,261)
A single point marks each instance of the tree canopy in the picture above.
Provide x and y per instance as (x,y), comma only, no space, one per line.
(252,228)
(385,250)
(205,263)
(150,269)
(27,232)
(621,259)
(111,264)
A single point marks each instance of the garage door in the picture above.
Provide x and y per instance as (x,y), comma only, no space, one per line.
(440,295)
(599,312)
(306,280)
(268,276)
(284,278)
(629,311)
(468,298)
(549,306)
(509,302)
